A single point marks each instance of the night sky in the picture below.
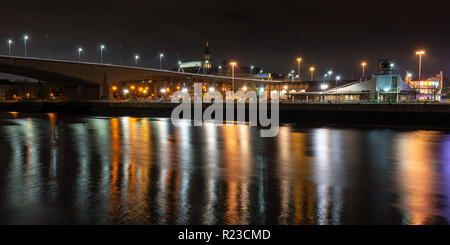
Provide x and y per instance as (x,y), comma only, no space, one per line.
(335,35)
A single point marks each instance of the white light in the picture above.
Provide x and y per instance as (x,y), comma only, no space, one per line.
(220,67)
(211,89)
(323,86)
(126,91)
(330,72)
(338,78)
(409,75)
(163,90)
(80,50)
(184,90)
(283,92)
(386,89)
(161,55)
(292,71)
(261,90)
(136,57)
(244,88)
(179,62)
(252,67)
(26,37)
(392,65)
(10,41)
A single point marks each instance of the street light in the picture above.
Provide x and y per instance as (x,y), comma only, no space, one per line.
(25,38)
(363,64)
(160,60)
(312,69)
(251,69)
(233,64)
(338,78)
(136,58)
(102,47)
(79,54)
(9,47)
(329,74)
(420,53)
(299,60)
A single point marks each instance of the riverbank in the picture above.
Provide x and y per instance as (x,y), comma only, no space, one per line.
(396,115)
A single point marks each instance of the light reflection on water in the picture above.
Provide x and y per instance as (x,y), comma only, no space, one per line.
(58,169)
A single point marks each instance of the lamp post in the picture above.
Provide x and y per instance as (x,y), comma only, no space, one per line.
(9,47)
(233,64)
(25,38)
(102,47)
(312,69)
(338,78)
(251,69)
(136,58)
(160,60)
(330,73)
(299,61)
(79,54)
(420,53)
(363,64)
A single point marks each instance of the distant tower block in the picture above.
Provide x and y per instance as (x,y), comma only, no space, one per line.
(207,59)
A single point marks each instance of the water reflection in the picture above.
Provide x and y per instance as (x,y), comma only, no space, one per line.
(93,170)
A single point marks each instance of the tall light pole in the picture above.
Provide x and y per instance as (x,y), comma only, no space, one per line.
(312,69)
(330,73)
(251,69)
(233,64)
(338,78)
(25,38)
(136,58)
(299,61)
(102,47)
(160,60)
(363,64)
(9,47)
(79,54)
(420,53)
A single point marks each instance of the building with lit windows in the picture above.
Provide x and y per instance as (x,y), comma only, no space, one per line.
(385,86)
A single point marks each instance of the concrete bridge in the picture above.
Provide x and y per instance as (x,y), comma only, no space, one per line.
(93,81)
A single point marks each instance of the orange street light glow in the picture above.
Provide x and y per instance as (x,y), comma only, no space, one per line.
(420,52)
(114,88)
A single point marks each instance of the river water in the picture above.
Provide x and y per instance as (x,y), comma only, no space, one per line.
(59,169)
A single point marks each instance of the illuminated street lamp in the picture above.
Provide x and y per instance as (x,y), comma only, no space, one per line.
(363,64)
(102,47)
(312,69)
(338,78)
(79,54)
(9,47)
(136,58)
(299,61)
(160,60)
(233,65)
(251,69)
(420,53)
(25,38)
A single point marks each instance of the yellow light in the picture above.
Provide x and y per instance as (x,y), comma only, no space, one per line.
(299,59)
(114,88)
(233,63)
(364,64)
(51,94)
(312,68)
(141,89)
(145,91)
(178,87)
(132,87)
(168,90)
(420,52)
(286,87)
(244,89)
